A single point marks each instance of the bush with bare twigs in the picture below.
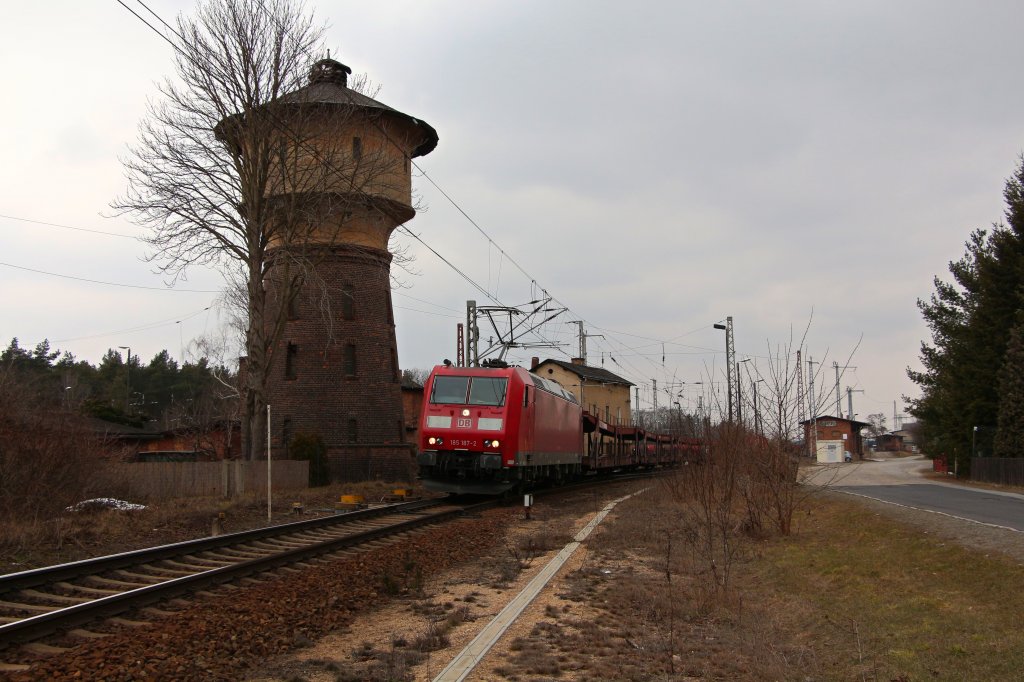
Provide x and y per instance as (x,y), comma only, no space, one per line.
(745,487)
(48,458)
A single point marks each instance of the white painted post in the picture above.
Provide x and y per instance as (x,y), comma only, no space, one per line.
(268,463)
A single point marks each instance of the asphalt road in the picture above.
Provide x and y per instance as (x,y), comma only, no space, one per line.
(901,482)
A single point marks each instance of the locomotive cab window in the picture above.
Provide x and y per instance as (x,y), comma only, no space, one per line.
(487,391)
(466,391)
(449,390)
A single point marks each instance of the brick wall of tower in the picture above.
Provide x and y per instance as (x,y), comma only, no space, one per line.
(313,389)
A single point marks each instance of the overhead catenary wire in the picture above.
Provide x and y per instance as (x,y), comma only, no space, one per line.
(111,284)
(615,348)
(143,327)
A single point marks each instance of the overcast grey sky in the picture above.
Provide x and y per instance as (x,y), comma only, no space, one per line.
(655,166)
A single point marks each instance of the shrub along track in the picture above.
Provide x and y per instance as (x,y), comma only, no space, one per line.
(363,552)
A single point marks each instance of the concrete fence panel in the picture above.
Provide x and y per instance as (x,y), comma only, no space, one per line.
(228,478)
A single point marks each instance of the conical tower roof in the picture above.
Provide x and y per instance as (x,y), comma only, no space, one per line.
(328,85)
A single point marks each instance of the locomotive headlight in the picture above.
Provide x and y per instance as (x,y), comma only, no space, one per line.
(465,413)
(435,441)
(493,443)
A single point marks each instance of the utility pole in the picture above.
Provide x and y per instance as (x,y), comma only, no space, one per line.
(839,409)
(473,334)
(636,407)
(801,414)
(583,340)
(460,346)
(849,400)
(812,440)
(811,402)
(757,414)
(654,392)
(739,390)
(730,360)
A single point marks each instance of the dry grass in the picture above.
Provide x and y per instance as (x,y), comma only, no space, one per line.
(849,595)
(898,602)
(69,536)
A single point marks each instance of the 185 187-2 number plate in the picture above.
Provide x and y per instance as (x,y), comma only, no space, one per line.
(463,443)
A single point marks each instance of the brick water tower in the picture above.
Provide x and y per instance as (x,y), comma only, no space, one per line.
(335,372)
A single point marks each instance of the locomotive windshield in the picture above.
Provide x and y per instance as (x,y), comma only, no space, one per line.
(450,390)
(487,391)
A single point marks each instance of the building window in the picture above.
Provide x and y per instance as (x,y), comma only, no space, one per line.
(350,359)
(401,431)
(357,148)
(394,365)
(293,306)
(353,431)
(286,433)
(290,361)
(348,302)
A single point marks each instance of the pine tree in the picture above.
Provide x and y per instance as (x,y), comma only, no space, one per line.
(970,320)
(1009,439)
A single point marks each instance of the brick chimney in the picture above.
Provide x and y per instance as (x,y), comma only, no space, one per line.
(578,361)
(534,363)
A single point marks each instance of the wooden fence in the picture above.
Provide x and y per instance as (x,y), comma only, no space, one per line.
(228,478)
(1002,470)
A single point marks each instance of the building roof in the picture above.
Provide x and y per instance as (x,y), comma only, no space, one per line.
(841,419)
(594,374)
(328,84)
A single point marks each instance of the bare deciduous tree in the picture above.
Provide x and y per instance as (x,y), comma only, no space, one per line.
(235,171)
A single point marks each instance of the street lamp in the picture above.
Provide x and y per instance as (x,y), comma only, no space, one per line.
(728,363)
(127,379)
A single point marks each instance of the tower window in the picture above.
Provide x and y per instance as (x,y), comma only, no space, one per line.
(357,148)
(348,303)
(290,358)
(353,431)
(286,432)
(394,365)
(293,306)
(350,359)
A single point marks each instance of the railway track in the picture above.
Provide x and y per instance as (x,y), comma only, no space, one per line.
(40,603)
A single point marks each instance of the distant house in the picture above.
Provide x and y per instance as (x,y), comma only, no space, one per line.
(910,436)
(200,443)
(834,437)
(601,393)
(889,442)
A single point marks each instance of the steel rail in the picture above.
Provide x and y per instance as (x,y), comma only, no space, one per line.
(41,625)
(68,571)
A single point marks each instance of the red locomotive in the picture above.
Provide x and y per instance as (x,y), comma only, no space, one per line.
(493,429)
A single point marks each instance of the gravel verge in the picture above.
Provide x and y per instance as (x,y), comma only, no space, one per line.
(222,636)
